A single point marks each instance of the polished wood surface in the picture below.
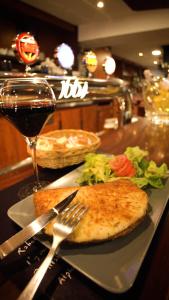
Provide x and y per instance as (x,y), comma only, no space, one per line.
(152,281)
(151,137)
(11,178)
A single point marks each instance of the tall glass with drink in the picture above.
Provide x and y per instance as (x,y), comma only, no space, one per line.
(156,98)
(27,103)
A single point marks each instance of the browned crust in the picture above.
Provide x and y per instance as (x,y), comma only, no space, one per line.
(115,209)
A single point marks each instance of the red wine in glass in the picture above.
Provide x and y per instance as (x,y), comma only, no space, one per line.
(27,103)
(29,120)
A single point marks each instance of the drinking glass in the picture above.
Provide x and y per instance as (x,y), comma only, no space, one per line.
(27,103)
(156,99)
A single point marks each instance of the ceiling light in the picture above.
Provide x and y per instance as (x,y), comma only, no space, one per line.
(156,52)
(140,54)
(155,62)
(100,4)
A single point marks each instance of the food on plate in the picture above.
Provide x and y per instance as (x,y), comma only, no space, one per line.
(132,164)
(122,166)
(64,147)
(114,209)
(65,140)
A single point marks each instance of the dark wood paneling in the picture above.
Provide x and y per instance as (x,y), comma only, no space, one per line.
(17,8)
(89,118)
(146,5)
(71,118)
(12,144)
(103,112)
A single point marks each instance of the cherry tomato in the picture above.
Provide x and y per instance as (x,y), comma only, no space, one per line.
(118,161)
(122,166)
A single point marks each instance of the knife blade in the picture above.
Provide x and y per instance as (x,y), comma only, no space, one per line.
(34,227)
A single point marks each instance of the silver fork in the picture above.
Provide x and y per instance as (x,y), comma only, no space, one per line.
(63,226)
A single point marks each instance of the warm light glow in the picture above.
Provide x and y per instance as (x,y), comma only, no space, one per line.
(90,61)
(156,52)
(109,65)
(100,4)
(155,62)
(65,56)
(140,54)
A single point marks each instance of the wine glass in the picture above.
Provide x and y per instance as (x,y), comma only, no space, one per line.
(27,103)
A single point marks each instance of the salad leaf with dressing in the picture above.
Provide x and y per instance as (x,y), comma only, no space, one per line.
(132,164)
(96,169)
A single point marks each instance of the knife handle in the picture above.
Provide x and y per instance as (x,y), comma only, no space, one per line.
(33,228)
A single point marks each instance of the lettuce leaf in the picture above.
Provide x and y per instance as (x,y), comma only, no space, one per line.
(135,153)
(156,182)
(154,171)
(155,174)
(96,169)
(140,182)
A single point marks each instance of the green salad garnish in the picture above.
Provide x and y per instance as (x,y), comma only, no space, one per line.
(132,164)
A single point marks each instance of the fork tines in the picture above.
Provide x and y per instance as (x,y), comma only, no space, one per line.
(72,214)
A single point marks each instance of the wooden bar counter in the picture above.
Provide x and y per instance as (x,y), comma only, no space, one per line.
(63,281)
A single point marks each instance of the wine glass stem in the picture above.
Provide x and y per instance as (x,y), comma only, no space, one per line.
(32,144)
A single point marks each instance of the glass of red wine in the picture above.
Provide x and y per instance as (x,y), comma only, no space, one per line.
(27,103)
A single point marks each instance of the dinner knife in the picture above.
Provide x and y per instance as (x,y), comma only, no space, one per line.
(34,227)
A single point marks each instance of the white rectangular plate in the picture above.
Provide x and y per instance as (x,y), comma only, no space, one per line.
(114,264)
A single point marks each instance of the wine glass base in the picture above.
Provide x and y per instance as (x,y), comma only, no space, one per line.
(30,188)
